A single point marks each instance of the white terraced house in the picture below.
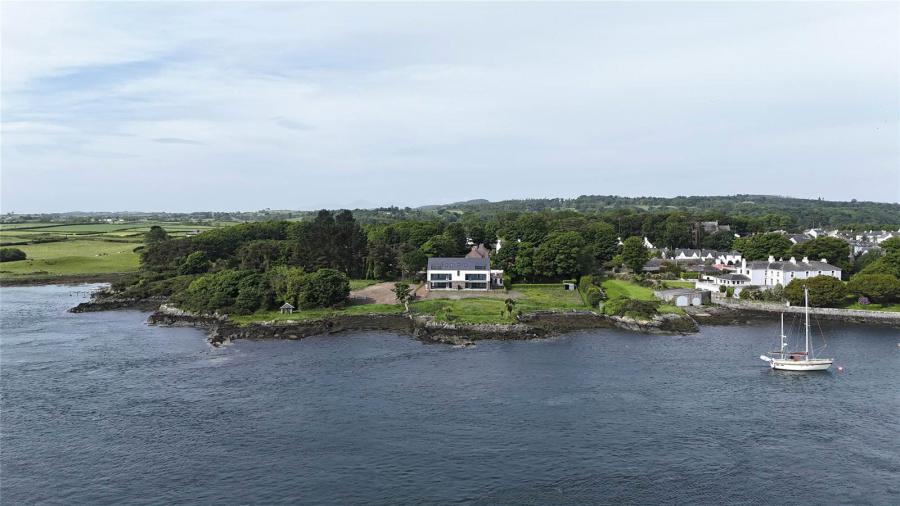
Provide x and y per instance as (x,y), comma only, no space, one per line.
(703,255)
(462,274)
(771,273)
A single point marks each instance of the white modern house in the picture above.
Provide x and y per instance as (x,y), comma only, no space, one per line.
(469,273)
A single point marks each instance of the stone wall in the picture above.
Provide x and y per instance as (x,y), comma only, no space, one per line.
(887,317)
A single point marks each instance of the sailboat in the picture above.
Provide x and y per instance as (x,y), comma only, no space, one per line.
(797,360)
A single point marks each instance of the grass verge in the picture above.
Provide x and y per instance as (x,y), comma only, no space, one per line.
(317,313)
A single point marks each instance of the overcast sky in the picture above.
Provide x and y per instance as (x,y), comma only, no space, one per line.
(212,106)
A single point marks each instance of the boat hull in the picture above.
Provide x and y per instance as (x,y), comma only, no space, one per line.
(816,364)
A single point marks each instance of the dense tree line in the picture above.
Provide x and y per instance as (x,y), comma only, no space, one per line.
(259,265)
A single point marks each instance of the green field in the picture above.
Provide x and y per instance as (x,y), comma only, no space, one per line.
(528,297)
(78,249)
(72,257)
(469,310)
(546,296)
(308,314)
(618,289)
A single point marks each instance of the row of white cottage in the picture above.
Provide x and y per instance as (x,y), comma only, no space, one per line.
(770,273)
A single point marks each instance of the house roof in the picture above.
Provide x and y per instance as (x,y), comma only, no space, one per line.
(479,251)
(458,264)
(734,277)
(709,269)
(787,265)
(286,306)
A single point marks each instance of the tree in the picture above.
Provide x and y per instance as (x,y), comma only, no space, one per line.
(155,234)
(195,263)
(456,236)
(529,227)
(262,254)
(524,267)
(287,283)
(676,231)
(720,241)
(891,245)
(478,234)
(879,288)
(402,292)
(219,291)
(349,244)
(253,293)
(860,262)
(634,254)
(602,240)
(824,291)
(412,262)
(505,258)
(888,263)
(762,246)
(325,288)
(510,305)
(562,255)
(835,250)
(11,254)
(441,246)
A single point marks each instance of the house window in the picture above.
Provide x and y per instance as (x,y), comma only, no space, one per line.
(440,277)
(476,277)
(476,286)
(439,285)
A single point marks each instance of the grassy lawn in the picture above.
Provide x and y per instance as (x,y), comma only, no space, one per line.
(464,310)
(548,296)
(617,289)
(531,297)
(678,284)
(72,257)
(669,309)
(309,314)
(359,284)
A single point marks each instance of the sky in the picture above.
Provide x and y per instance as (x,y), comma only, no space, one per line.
(165,106)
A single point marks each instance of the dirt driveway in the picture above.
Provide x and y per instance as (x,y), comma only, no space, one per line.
(379,293)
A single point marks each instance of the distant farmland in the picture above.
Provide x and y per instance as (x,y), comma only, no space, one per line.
(60,251)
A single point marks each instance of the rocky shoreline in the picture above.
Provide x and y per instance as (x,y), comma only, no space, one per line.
(221,330)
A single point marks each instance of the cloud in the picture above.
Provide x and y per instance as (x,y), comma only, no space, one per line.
(290,124)
(175,140)
(340,103)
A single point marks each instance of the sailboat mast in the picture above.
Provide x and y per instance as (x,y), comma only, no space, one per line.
(806,297)
(782,335)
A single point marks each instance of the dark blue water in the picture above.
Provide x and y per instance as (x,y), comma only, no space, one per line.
(101,409)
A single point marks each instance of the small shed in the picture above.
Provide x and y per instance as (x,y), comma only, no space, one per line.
(286,308)
(569,287)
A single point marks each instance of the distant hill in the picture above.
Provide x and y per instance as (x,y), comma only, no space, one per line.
(795,213)
(811,212)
